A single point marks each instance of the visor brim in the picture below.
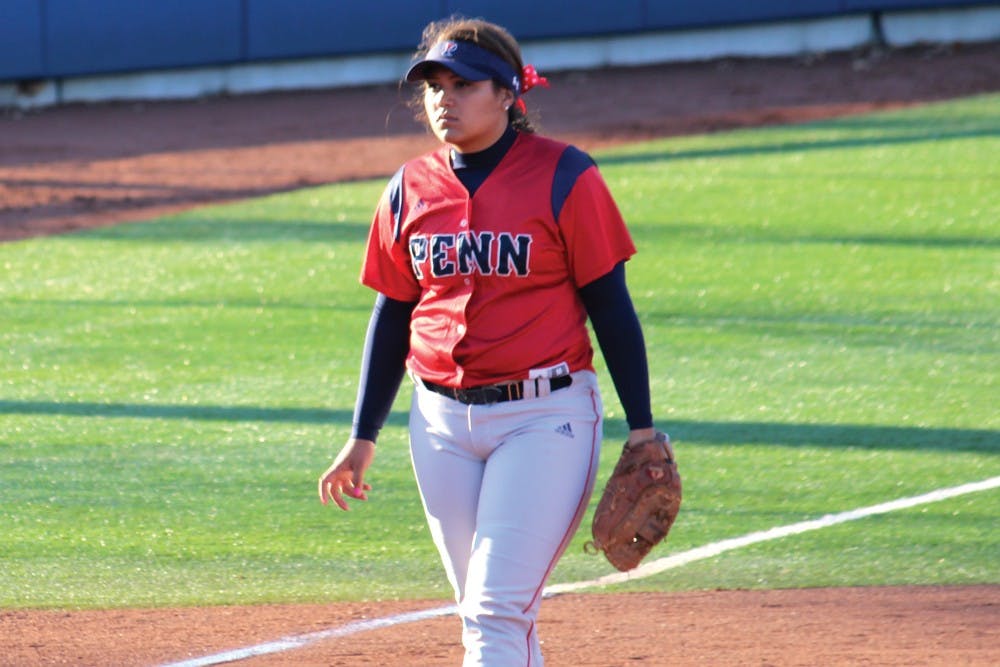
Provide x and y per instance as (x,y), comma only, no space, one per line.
(419,71)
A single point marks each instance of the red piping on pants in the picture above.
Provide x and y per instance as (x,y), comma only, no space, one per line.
(580,507)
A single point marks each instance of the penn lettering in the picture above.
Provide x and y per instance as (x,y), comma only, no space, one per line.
(513,255)
(418,255)
(476,248)
(469,253)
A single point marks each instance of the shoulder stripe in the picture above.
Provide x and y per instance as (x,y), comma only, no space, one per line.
(572,163)
(396,196)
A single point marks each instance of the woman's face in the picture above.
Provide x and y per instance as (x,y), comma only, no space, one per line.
(468,115)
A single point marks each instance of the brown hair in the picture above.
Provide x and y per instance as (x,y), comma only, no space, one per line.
(484,34)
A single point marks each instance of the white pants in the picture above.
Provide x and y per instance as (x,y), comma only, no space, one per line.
(504,487)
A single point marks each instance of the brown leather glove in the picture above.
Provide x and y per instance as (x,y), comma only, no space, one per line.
(639,503)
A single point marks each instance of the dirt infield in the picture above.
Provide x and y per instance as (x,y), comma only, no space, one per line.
(897,626)
(82,166)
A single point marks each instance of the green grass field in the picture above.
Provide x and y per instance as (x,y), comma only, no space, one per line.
(820,304)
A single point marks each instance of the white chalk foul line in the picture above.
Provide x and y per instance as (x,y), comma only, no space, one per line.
(646,570)
(298,641)
(716,548)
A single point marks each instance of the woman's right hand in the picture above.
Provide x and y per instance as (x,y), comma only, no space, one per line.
(346,475)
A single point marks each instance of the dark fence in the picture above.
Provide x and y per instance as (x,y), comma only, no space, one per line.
(45,39)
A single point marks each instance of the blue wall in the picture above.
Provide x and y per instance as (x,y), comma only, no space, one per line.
(21,44)
(679,14)
(59,38)
(283,29)
(85,36)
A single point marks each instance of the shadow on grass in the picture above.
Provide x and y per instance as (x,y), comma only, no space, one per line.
(185,229)
(226,413)
(744,150)
(667,232)
(274,303)
(837,435)
(721,433)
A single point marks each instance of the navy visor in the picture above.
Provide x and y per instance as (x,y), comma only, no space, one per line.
(469,61)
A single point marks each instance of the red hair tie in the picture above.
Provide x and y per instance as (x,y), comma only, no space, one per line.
(529,79)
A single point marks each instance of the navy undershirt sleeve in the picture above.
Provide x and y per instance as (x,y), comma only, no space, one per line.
(383,365)
(619,335)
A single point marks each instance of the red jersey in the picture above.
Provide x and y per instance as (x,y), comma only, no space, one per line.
(495,275)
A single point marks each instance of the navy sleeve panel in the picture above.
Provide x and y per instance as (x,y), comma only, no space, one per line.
(396,201)
(383,365)
(572,163)
(619,335)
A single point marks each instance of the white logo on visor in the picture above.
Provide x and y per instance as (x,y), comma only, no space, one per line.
(448,49)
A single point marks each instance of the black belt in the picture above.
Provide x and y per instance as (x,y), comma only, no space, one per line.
(496,393)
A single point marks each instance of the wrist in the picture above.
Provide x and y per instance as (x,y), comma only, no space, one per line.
(641,434)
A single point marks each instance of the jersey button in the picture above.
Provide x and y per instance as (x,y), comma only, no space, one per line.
(468,282)
(460,329)
(464,223)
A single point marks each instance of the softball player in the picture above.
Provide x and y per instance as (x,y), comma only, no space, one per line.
(488,256)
